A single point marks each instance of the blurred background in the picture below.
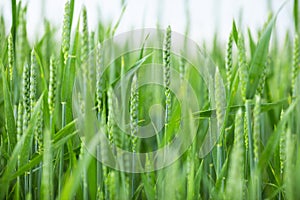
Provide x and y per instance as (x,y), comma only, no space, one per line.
(201,18)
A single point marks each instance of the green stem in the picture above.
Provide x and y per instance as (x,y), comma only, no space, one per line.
(61,160)
(248,113)
(219,158)
(99,167)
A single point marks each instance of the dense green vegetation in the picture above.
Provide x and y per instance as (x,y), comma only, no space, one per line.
(55,98)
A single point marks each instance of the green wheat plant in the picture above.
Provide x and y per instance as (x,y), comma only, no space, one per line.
(60,108)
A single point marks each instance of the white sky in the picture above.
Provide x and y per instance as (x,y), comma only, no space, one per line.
(206,16)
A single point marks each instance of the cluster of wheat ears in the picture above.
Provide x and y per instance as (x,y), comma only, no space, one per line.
(256,109)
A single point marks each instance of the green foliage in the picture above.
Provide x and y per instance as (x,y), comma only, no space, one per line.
(42,156)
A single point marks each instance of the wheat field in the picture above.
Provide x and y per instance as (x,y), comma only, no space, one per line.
(80,116)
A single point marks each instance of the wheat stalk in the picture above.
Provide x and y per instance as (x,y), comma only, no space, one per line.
(66,32)
(296,63)
(11,58)
(167,76)
(229,60)
(243,68)
(235,182)
(52,86)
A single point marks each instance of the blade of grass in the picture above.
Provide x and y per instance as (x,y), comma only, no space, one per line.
(8,111)
(47,182)
(235,32)
(273,141)
(14,18)
(59,139)
(259,58)
(296,15)
(21,150)
(73,181)
(69,77)
(119,20)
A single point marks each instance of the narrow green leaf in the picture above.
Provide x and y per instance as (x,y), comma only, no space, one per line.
(221,179)
(72,3)
(232,109)
(30,165)
(63,140)
(134,68)
(47,182)
(273,140)
(41,68)
(66,130)
(251,42)
(20,150)
(148,186)
(8,111)
(14,18)
(119,20)
(259,58)
(59,139)
(25,151)
(69,77)
(235,32)
(72,182)
(296,15)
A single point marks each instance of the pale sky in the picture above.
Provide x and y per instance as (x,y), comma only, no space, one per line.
(206,16)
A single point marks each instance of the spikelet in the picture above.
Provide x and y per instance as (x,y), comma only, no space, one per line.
(238,139)
(282,147)
(246,134)
(256,129)
(229,60)
(262,80)
(92,51)
(99,63)
(52,86)
(38,131)
(26,95)
(33,80)
(167,72)
(81,102)
(81,154)
(21,40)
(167,56)
(134,112)
(243,68)
(296,63)
(234,186)
(219,98)
(110,117)
(182,68)
(19,120)
(114,135)
(66,32)
(84,43)
(11,57)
